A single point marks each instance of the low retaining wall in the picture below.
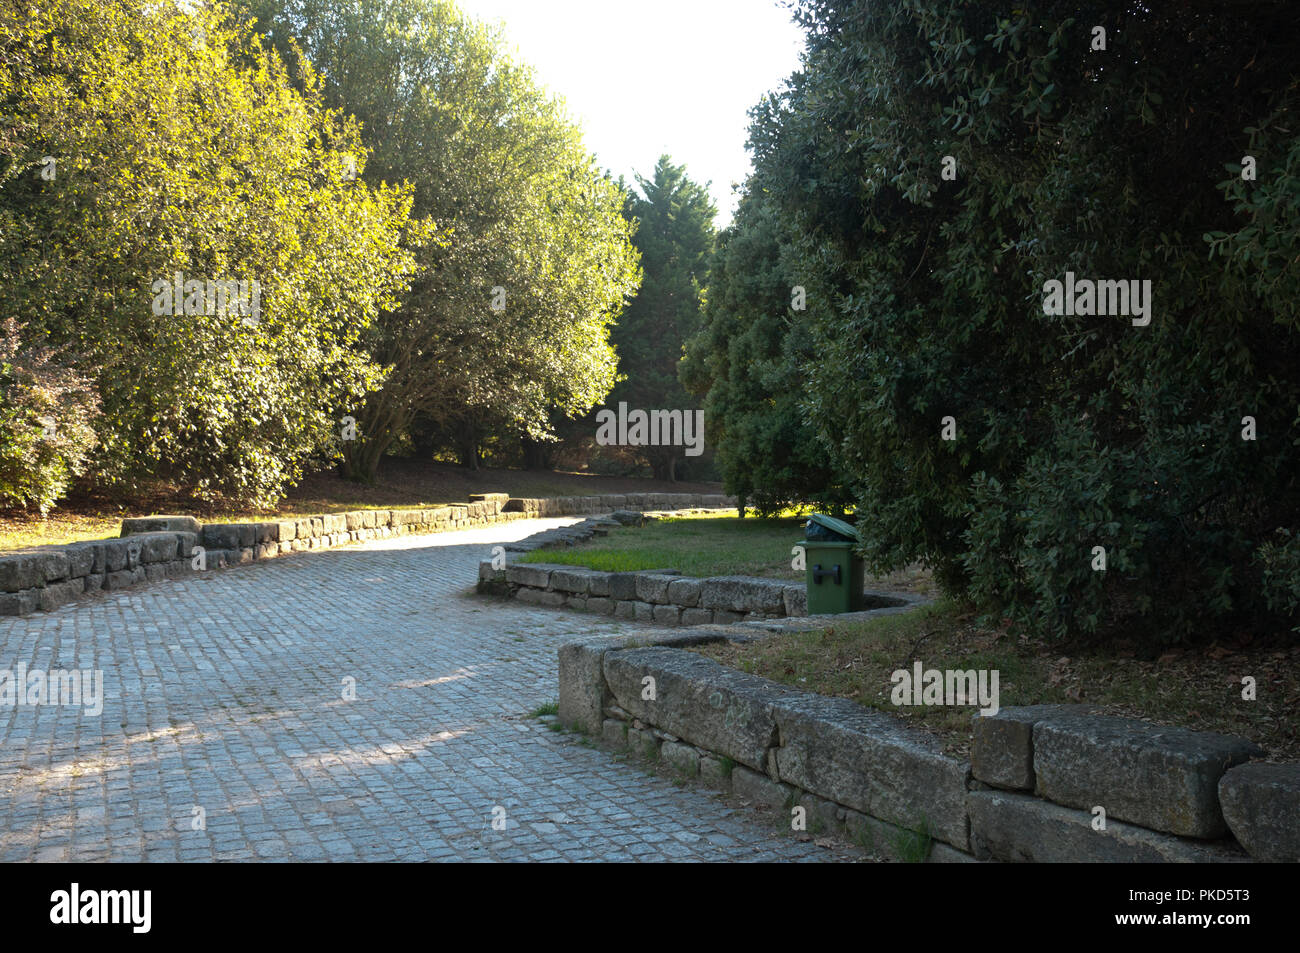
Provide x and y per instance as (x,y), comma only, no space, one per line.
(662,596)
(1030,792)
(154,548)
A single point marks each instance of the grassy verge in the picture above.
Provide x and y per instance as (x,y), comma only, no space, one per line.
(1199,689)
(714,545)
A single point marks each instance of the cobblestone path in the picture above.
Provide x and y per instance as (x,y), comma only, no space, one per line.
(225,733)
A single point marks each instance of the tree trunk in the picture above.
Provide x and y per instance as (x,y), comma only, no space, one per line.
(537,455)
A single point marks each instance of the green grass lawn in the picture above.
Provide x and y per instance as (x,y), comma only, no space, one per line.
(1195,688)
(714,545)
(719,544)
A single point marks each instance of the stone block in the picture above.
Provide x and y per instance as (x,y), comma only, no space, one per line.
(622,586)
(161,524)
(683,759)
(1015,827)
(156,547)
(715,772)
(1165,779)
(533,575)
(1261,804)
(220,536)
(614,732)
(539,597)
(667,615)
(1002,748)
(583,692)
(743,594)
(570,580)
(684,593)
(698,700)
(22,602)
(872,762)
(759,788)
(119,579)
(653,588)
(643,743)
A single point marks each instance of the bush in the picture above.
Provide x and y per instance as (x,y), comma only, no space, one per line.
(926,297)
(180,145)
(47,416)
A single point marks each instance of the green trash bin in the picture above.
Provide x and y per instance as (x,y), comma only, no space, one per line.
(834,571)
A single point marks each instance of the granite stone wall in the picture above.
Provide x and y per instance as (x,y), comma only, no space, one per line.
(154,548)
(1042,784)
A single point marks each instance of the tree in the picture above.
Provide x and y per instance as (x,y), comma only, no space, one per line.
(47,415)
(926,297)
(509,319)
(675,236)
(140,142)
(747,362)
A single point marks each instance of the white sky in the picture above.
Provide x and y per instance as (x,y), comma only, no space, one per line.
(642,79)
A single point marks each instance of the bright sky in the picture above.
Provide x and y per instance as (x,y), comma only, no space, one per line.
(674,76)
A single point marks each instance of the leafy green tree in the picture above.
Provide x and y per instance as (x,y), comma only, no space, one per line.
(179,145)
(926,296)
(675,235)
(47,415)
(747,361)
(508,320)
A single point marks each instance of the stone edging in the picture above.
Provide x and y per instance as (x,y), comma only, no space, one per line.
(662,596)
(1029,792)
(151,549)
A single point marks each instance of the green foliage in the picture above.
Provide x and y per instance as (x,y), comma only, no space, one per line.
(746,360)
(675,235)
(925,296)
(182,146)
(47,416)
(1279,561)
(497,165)
(913,847)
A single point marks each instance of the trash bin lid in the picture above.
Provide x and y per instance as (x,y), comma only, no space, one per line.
(837,527)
